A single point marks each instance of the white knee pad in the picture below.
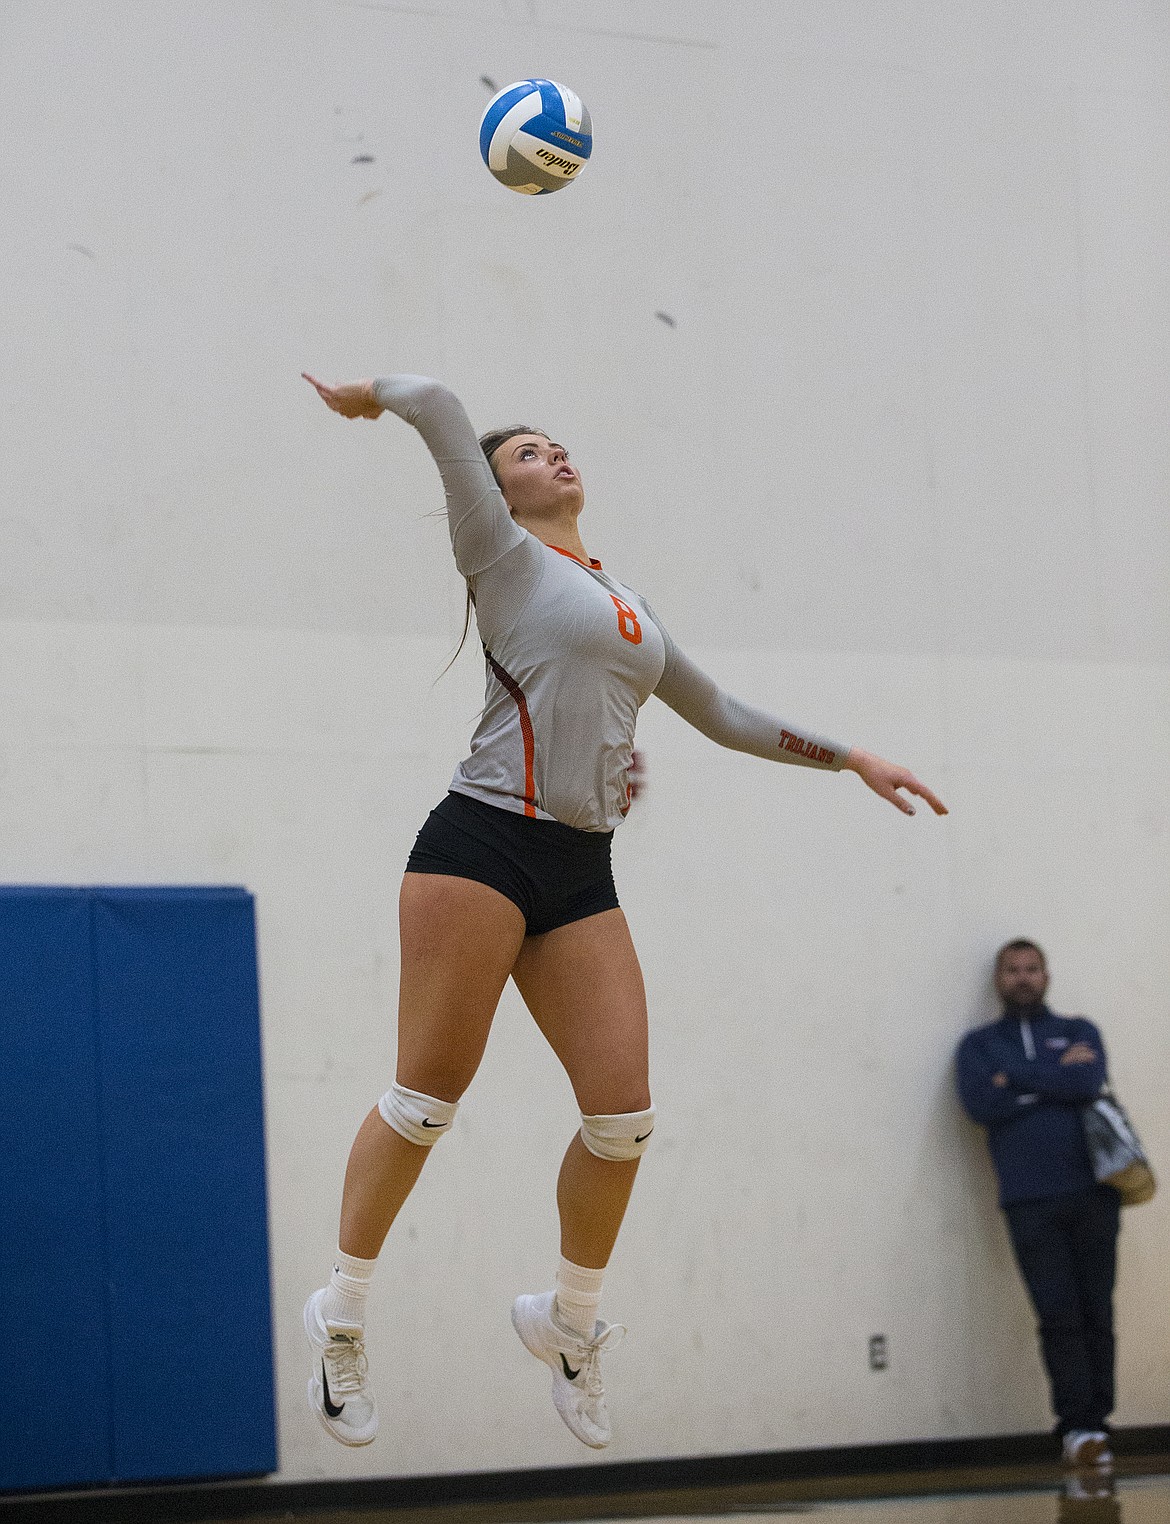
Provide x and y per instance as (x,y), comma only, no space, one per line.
(420,1119)
(624,1136)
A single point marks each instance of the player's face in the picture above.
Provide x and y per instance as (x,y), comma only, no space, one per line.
(536,476)
(1021,978)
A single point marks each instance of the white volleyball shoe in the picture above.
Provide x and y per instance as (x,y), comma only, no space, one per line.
(339,1389)
(577,1390)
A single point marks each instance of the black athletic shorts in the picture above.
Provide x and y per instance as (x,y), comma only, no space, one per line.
(553,872)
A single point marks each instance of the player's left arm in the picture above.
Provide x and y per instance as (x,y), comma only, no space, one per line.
(886,778)
(730,722)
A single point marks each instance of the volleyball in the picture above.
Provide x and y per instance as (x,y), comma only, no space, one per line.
(535,136)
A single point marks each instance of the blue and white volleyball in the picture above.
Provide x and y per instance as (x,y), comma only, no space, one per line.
(535,136)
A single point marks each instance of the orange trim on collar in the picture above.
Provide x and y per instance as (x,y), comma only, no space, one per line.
(596,565)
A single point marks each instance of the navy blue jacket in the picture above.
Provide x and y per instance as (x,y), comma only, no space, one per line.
(1033,1122)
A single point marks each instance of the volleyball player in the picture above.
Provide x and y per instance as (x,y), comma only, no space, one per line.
(510,877)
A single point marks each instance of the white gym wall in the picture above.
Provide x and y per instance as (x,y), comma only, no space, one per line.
(857,326)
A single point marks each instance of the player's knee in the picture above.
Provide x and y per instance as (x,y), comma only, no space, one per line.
(421,1119)
(625,1135)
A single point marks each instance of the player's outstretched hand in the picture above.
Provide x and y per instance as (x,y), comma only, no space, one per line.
(886,778)
(352,399)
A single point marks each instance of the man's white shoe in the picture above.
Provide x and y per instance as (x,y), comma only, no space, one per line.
(577,1391)
(339,1392)
(1085,1447)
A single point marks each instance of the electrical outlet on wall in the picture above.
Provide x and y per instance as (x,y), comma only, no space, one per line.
(879,1356)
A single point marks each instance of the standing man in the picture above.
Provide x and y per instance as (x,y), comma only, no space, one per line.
(1025,1078)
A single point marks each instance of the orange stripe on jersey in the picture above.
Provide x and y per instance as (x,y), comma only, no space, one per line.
(596,565)
(517,693)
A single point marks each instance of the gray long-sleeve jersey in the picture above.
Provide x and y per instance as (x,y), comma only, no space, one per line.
(572,654)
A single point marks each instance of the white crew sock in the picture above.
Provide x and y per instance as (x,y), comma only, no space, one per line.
(349,1286)
(578,1297)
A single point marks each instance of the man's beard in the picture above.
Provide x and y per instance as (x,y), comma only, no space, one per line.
(1027,1003)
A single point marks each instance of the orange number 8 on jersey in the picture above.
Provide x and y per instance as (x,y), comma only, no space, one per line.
(628,624)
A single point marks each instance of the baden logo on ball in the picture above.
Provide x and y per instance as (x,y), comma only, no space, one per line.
(535,136)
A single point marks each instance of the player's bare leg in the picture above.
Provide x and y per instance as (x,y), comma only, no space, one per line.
(458,941)
(583,985)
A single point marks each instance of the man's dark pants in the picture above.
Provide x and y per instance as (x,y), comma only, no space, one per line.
(1066,1248)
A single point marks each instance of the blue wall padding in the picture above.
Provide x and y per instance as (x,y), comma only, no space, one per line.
(55,1408)
(188,1245)
(173,1055)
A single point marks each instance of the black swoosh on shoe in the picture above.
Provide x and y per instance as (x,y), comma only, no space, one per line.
(330,1408)
(567,1368)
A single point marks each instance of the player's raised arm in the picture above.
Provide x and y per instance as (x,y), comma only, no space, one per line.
(352,399)
(482,529)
